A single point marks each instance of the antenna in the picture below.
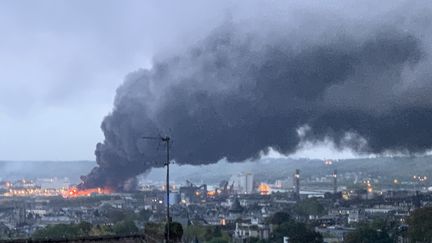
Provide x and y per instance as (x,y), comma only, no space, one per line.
(165,140)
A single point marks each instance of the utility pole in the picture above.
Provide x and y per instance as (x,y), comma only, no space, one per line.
(166,140)
(335,181)
(296,179)
(167,163)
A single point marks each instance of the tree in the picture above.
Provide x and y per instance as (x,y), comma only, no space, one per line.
(297,232)
(257,240)
(205,234)
(367,234)
(117,214)
(194,231)
(84,228)
(126,227)
(309,206)
(155,231)
(420,225)
(62,231)
(145,214)
(99,230)
(175,231)
(218,240)
(279,218)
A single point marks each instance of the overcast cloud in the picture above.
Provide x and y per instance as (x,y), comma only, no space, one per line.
(61,61)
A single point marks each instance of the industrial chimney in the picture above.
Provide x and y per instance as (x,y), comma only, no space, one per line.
(296,182)
(334,181)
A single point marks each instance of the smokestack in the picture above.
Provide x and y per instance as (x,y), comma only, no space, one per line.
(276,88)
(296,183)
(335,181)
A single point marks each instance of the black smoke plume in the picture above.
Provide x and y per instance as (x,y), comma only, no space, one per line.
(241,91)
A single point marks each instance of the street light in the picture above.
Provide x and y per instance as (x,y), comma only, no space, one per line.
(165,140)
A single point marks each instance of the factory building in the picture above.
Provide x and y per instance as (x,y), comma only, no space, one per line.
(243,183)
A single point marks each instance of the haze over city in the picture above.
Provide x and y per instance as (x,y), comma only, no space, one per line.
(63,61)
(215,121)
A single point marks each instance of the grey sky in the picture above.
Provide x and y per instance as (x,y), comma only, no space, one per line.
(61,62)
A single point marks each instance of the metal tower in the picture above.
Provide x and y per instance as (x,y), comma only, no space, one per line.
(166,140)
(296,182)
(335,181)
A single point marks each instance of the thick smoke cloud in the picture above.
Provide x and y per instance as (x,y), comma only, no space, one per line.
(242,90)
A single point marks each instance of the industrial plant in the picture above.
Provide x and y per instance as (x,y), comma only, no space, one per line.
(216,121)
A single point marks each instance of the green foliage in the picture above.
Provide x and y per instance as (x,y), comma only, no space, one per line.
(84,229)
(175,231)
(368,234)
(61,231)
(127,227)
(297,232)
(205,234)
(144,215)
(99,230)
(309,206)
(218,240)
(279,218)
(420,225)
(155,230)
(256,240)
(118,214)
(192,231)
(378,224)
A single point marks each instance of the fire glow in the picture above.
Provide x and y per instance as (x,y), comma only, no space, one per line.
(74,192)
(264,189)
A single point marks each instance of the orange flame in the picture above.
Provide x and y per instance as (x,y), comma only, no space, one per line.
(75,192)
(264,189)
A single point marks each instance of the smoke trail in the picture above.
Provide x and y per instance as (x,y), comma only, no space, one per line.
(240,91)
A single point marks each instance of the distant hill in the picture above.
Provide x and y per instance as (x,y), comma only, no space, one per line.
(265,169)
(270,169)
(12,170)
